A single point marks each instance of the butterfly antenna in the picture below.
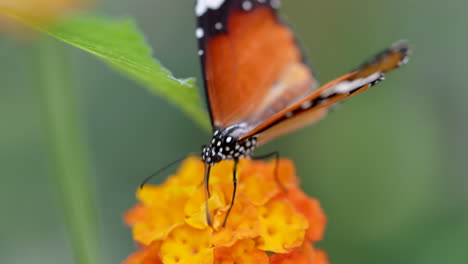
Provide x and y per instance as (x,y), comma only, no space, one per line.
(156,173)
(207,193)
(276,155)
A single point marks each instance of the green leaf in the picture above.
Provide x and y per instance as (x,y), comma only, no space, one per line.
(122,45)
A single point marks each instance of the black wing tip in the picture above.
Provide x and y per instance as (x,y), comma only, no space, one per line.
(403,47)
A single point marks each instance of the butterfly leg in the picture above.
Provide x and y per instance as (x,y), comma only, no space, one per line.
(207,192)
(143,183)
(277,156)
(234,182)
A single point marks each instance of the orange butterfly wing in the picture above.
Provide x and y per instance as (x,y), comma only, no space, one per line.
(316,105)
(252,65)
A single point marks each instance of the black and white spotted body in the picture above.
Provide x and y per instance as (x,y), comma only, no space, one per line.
(225,145)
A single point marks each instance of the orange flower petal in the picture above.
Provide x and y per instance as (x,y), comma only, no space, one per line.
(243,222)
(306,254)
(258,179)
(187,245)
(40,9)
(170,219)
(243,252)
(321,257)
(312,210)
(257,187)
(147,255)
(286,173)
(135,215)
(282,228)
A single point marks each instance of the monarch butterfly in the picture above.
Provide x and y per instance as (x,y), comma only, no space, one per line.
(258,84)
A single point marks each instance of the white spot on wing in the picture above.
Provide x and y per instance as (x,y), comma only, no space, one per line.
(404,61)
(306,105)
(348,86)
(218,25)
(203,6)
(200,52)
(275,4)
(199,33)
(247,5)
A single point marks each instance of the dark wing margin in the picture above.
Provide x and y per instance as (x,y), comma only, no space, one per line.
(395,56)
(314,107)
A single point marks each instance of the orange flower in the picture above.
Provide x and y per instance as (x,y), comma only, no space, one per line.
(303,255)
(266,225)
(39,8)
(43,11)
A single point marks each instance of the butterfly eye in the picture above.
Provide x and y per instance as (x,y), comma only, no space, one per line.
(216,158)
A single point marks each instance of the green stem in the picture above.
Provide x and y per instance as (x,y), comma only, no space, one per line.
(68,150)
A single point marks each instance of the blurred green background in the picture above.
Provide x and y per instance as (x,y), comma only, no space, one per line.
(389,166)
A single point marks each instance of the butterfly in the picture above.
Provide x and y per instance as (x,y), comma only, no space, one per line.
(258,84)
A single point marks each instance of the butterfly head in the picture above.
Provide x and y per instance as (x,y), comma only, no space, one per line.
(224,146)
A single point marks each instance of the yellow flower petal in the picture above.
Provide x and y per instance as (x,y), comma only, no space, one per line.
(170,219)
(221,173)
(244,252)
(282,228)
(187,245)
(195,209)
(259,190)
(190,173)
(243,222)
(158,219)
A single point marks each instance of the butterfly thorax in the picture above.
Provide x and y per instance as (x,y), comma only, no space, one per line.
(225,146)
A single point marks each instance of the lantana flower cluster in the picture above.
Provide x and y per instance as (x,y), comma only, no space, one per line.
(266,224)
